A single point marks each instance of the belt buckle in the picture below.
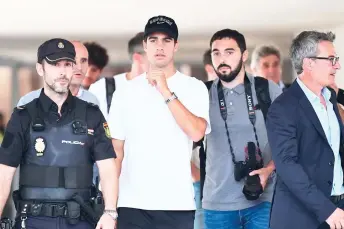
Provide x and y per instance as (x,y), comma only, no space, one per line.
(53,209)
(36,209)
(59,210)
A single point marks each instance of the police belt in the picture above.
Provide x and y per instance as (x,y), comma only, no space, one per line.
(74,210)
(48,209)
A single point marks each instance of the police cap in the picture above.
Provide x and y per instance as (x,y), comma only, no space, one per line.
(55,50)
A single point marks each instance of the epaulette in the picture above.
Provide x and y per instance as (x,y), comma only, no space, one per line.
(92,104)
(19,108)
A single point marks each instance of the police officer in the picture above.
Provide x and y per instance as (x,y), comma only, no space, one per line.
(56,139)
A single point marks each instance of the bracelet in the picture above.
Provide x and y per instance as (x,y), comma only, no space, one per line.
(173,97)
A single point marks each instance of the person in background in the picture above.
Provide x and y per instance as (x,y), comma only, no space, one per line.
(98,59)
(104,88)
(267,62)
(208,66)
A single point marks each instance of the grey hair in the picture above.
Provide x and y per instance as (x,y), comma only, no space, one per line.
(305,45)
(264,51)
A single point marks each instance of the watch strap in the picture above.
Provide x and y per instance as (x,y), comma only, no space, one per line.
(173,97)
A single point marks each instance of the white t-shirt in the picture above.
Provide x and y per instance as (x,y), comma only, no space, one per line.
(99,90)
(156,172)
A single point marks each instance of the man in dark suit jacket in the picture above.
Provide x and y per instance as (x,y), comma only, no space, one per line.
(305,133)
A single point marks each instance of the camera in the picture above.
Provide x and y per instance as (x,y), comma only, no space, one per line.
(252,188)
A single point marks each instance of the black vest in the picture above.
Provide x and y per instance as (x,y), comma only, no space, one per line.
(58,162)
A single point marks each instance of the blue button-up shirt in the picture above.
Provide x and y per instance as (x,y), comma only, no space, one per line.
(330,125)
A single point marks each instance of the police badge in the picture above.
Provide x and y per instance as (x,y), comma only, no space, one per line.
(40,146)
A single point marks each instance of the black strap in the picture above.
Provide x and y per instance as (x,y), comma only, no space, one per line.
(56,177)
(340,96)
(202,166)
(33,109)
(110,86)
(36,115)
(209,83)
(251,112)
(80,110)
(263,95)
(202,155)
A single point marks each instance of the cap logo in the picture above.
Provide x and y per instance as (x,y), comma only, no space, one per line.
(160,20)
(60,45)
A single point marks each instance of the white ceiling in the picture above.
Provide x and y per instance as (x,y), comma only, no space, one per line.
(25,24)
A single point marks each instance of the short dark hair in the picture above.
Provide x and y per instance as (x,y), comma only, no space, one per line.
(232,34)
(207,57)
(97,55)
(135,44)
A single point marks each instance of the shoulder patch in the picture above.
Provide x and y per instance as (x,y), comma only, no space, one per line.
(107,130)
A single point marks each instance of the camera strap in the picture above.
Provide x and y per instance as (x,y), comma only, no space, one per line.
(250,108)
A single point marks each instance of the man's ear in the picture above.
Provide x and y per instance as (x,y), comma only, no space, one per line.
(307,64)
(245,56)
(137,57)
(209,69)
(144,43)
(40,69)
(176,46)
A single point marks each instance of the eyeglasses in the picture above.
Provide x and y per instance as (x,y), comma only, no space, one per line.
(333,59)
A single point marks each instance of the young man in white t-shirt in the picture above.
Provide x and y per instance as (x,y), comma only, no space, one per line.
(153,121)
(139,65)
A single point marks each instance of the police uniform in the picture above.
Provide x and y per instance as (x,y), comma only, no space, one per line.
(56,154)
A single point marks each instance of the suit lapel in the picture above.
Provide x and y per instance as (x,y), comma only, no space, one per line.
(307,108)
(312,116)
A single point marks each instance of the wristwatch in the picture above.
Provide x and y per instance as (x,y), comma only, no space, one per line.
(173,96)
(112,213)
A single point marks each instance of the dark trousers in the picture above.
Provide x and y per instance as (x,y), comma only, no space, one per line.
(51,223)
(130,218)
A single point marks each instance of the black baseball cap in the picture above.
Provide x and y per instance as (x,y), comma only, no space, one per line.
(55,50)
(161,24)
